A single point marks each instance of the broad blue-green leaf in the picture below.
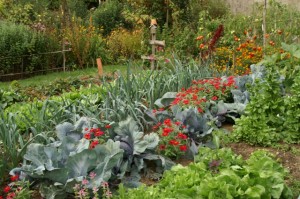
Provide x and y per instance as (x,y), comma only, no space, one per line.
(152,139)
(79,164)
(166,99)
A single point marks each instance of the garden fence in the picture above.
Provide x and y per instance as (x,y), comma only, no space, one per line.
(48,61)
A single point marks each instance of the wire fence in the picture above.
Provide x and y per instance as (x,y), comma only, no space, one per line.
(22,66)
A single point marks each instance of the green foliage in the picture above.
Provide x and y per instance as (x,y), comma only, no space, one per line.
(291,114)
(108,16)
(61,163)
(270,115)
(219,174)
(138,150)
(124,44)
(19,40)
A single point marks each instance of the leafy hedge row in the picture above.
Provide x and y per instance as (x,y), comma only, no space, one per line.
(18,40)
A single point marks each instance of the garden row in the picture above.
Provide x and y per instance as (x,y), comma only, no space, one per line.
(140,125)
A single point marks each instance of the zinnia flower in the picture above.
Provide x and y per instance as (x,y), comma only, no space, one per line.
(14,178)
(98,133)
(87,136)
(214,98)
(6,189)
(183,148)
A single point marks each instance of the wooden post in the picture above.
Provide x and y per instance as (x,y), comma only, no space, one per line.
(265,25)
(153,38)
(100,68)
(64,54)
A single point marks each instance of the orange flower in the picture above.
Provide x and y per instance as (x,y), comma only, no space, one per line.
(201,46)
(199,38)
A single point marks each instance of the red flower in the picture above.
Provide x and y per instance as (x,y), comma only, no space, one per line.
(183,148)
(177,123)
(162,147)
(173,142)
(165,134)
(108,126)
(94,144)
(11,195)
(87,136)
(6,189)
(14,178)
(167,130)
(86,129)
(195,97)
(98,133)
(200,110)
(182,136)
(214,98)
(168,122)
(185,101)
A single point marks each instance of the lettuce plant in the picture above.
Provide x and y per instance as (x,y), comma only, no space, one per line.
(219,174)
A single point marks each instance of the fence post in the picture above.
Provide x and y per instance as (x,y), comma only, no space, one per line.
(64,54)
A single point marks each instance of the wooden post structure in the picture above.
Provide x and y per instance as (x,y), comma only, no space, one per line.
(153,42)
(153,28)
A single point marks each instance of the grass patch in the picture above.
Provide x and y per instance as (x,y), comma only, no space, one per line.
(50,77)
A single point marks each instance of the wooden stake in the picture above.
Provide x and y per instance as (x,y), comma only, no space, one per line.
(265,25)
(100,68)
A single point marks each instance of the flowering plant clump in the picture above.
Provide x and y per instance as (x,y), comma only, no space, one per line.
(173,141)
(203,91)
(238,59)
(96,136)
(16,189)
(82,191)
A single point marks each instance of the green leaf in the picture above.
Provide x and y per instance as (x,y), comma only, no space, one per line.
(255,192)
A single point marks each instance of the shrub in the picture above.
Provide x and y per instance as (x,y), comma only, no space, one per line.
(19,40)
(108,16)
(124,44)
(86,43)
